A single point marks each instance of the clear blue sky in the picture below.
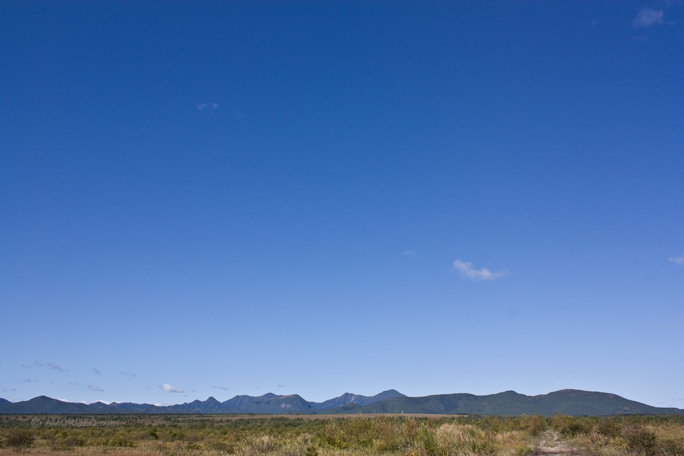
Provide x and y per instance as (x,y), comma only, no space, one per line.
(318,197)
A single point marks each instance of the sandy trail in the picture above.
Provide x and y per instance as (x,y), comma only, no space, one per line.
(551,444)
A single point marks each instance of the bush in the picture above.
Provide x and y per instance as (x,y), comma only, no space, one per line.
(67,441)
(572,427)
(122,441)
(609,428)
(20,438)
(640,439)
(535,425)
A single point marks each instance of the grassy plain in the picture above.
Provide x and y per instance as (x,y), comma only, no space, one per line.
(405,435)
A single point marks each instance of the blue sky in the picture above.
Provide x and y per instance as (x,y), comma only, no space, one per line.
(219,198)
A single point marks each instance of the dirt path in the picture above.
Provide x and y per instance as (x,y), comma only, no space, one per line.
(551,444)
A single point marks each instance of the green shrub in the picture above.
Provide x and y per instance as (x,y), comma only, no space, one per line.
(574,426)
(535,425)
(640,439)
(609,428)
(20,438)
(68,441)
(122,441)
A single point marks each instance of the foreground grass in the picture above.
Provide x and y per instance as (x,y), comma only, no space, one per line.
(191,435)
(629,435)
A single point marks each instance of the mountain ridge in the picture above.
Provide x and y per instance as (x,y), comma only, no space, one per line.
(568,402)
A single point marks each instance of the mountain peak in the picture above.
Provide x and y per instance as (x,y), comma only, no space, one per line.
(388,394)
(392,391)
(43,398)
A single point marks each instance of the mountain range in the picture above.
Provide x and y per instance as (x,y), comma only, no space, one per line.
(567,402)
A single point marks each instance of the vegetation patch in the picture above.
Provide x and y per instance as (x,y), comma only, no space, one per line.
(400,435)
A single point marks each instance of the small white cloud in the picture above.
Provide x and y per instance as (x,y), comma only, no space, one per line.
(56,367)
(469,272)
(170,389)
(95,388)
(410,253)
(203,106)
(648,17)
(127,374)
(221,387)
(677,260)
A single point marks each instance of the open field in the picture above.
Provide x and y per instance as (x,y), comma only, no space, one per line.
(315,435)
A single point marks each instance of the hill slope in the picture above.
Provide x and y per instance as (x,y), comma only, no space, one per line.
(567,402)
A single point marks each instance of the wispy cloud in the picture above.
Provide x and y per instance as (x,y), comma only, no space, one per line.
(677,260)
(221,387)
(467,271)
(203,106)
(127,374)
(410,253)
(170,389)
(648,17)
(97,371)
(55,367)
(95,388)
